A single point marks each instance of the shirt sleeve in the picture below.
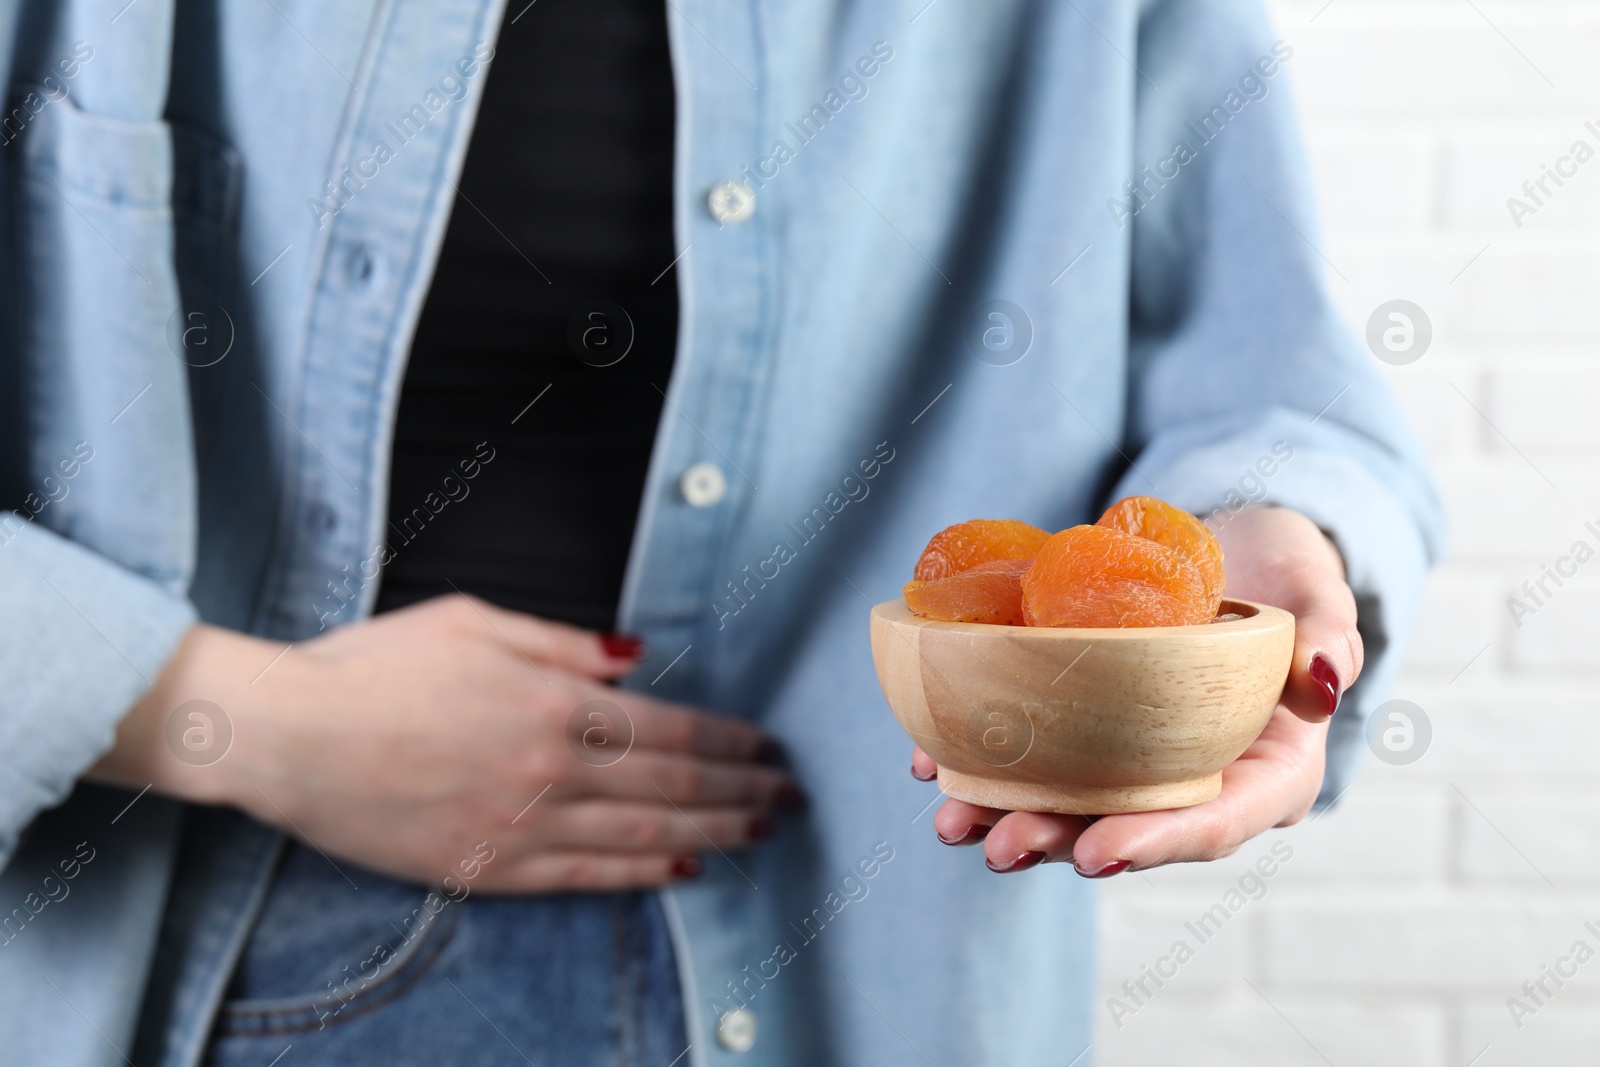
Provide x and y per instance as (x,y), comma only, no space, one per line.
(1246,387)
(84,637)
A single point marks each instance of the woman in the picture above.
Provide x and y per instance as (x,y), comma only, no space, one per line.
(409,405)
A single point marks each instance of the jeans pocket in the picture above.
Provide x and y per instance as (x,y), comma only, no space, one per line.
(322,955)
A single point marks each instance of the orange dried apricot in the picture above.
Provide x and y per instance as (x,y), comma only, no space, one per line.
(966,544)
(1101,576)
(990,592)
(1161,522)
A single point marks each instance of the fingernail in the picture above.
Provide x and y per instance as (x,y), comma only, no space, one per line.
(976,832)
(761,827)
(790,798)
(622,646)
(768,750)
(686,867)
(1114,867)
(1021,863)
(1327,680)
(919,777)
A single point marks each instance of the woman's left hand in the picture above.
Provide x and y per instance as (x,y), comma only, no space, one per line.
(1273,556)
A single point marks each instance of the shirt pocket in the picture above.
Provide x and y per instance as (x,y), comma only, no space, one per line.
(95,233)
(119,225)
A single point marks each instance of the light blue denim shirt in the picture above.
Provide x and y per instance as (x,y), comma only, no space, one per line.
(1002,260)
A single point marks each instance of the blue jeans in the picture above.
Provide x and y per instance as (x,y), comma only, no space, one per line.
(375,975)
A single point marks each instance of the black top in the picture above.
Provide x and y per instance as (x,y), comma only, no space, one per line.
(564,217)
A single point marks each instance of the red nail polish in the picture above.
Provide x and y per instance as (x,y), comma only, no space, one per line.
(1114,867)
(790,798)
(1021,863)
(686,867)
(762,827)
(969,836)
(1327,680)
(919,777)
(622,646)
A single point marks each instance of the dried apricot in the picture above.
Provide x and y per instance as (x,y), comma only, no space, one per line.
(1101,576)
(966,544)
(990,592)
(1161,522)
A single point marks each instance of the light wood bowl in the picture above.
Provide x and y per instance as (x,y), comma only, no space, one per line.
(1083,721)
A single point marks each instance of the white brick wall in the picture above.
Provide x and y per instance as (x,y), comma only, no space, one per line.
(1545,405)
(1409,915)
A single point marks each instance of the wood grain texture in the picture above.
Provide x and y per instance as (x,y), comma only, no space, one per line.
(1083,721)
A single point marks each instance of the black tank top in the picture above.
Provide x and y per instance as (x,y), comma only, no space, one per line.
(531,398)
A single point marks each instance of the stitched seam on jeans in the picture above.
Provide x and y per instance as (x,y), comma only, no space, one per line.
(619,941)
(237,1021)
(641,975)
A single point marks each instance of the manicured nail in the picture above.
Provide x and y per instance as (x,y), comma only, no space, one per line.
(1327,680)
(1114,867)
(789,797)
(919,777)
(622,646)
(976,832)
(686,867)
(1021,863)
(761,827)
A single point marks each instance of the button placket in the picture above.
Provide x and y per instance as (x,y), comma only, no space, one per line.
(706,448)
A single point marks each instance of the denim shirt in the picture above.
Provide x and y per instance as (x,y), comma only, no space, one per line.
(1014,260)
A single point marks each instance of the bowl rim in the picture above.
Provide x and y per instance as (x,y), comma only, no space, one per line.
(1261,617)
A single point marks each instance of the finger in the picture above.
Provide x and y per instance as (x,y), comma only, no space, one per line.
(959,823)
(688,782)
(1328,653)
(1024,839)
(555,644)
(1286,560)
(1274,784)
(923,769)
(553,872)
(667,727)
(632,826)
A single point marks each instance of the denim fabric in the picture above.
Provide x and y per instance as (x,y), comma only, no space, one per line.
(366,971)
(1165,328)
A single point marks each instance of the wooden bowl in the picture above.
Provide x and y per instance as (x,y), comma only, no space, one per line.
(1083,721)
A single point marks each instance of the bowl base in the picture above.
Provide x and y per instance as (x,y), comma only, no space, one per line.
(1077,799)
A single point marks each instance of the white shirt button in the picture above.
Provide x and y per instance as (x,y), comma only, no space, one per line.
(703,485)
(736,1030)
(731,201)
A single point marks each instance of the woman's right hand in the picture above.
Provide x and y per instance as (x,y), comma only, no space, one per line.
(404,741)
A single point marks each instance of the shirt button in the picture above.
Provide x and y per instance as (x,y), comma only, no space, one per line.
(360,267)
(731,202)
(323,520)
(703,485)
(736,1030)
